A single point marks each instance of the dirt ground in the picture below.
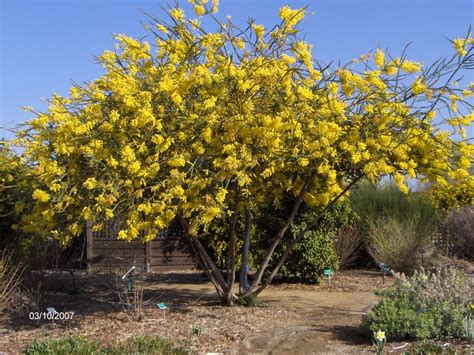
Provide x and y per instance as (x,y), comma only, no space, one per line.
(301,319)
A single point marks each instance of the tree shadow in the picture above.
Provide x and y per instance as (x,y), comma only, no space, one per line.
(98,296)
(349,334)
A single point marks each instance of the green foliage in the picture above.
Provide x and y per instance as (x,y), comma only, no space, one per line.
(197,330)
(308,259)
(427,305)
(79,345)
(144,345)
(248,301)
(468,325)
(372,203)
(215,238)
(316,252)
(430,347)
(63,346)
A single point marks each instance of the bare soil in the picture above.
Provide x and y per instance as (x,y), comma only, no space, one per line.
(301,319)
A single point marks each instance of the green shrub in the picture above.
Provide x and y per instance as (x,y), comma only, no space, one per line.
(316,251)
(310,257)
(426,305)
(64,346)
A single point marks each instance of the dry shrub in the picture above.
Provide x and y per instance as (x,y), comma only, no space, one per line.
(457,229)
(395,243)
(131,301)
(347,243)
(10,280)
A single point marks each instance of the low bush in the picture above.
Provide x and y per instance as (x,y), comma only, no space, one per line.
(80,345)
(426,305)
(347,243)
(395,226)
(395,243)
(308,260)
(457,228)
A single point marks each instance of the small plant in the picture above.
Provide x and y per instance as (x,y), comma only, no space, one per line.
(197,330)
(426,305)
(397,225)
(248,301)
(468,325)
(379,340)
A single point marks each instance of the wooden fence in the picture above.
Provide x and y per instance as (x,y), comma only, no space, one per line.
(169,251)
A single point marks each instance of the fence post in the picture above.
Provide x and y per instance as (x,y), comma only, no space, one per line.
(89,246)
(148,256)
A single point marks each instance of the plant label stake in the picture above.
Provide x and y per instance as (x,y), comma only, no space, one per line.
(130,279)
(53,312)
(384,269)
(163,307)
(422,251)
(328,273)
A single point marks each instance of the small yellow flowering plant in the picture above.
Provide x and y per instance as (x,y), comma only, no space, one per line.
(379,340)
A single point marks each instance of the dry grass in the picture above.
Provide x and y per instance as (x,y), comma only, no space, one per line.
(10,280)
(347,243)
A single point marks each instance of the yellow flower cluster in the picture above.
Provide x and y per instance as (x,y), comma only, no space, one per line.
(210,118)
(291,17)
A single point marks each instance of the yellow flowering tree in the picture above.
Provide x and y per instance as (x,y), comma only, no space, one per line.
(200,124)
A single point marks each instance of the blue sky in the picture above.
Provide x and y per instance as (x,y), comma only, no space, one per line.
(45,44)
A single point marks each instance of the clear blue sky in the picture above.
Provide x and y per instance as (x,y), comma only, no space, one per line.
(45,44)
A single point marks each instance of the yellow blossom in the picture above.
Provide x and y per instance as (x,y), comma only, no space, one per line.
(177,13)
(379,58)
(41,195)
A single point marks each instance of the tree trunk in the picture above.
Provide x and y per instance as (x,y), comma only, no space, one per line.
(243,280)
(276,240)
(231,253)
(207,264)
(301,235)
